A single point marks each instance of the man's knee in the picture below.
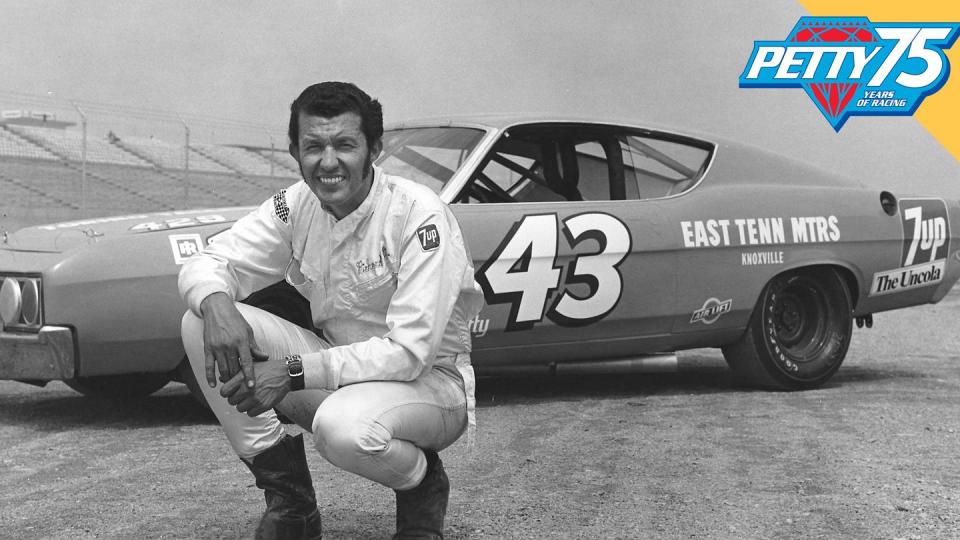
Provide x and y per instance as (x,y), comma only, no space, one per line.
(343,438)
(191,326)
(190,323)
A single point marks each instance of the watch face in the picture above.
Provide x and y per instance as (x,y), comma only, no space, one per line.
(294,367)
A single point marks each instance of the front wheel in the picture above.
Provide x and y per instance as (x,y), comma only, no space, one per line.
(798,334)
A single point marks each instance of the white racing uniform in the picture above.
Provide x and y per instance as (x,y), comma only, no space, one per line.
(390,285)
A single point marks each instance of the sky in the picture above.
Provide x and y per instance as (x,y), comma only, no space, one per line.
(665,63)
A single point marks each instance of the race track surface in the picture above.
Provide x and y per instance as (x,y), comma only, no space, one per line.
(873,454)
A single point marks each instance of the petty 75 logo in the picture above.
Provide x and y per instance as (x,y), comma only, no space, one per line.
(523,270)
(852,66)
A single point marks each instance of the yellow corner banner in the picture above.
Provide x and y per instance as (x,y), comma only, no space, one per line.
(940,112)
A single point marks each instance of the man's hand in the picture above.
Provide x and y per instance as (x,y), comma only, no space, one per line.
(228,341)
(271,387)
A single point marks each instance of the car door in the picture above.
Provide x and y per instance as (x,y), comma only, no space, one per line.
(569,247)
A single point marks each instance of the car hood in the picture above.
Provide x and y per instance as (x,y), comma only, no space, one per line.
(60,237)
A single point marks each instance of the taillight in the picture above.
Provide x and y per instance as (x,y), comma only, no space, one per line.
(20,305)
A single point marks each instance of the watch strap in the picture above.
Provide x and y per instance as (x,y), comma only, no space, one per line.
(295,371)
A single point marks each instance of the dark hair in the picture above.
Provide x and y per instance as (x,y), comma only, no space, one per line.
(329,99)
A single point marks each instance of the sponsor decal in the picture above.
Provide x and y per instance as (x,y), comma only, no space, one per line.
(754,258)
(926,230)
(902,279)
(759,231)
(185,246)
(429,237)
(478,327)
(712,309)
(113,219)
(177,223)
(523,270)
(854,66)
(926,244)
(85,222)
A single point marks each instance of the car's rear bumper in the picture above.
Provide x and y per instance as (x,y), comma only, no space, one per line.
(46,355)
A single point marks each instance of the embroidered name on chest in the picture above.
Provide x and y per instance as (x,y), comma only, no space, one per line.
(364,266)
(367,265)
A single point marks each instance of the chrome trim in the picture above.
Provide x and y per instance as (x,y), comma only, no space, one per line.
(46,355)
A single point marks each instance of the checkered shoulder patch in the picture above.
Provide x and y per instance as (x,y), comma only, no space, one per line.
(280,207)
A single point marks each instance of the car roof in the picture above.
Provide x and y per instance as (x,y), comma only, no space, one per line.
(505,120)
(738,154)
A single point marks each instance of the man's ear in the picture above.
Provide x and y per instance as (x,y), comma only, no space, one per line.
(375,149)
(294,152)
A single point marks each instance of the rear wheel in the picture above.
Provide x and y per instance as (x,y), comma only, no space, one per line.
(125,386)
(798,334)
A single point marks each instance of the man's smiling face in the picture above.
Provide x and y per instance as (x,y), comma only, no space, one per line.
(336,160)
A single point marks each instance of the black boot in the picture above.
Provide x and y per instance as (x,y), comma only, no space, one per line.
(420,511)
(282,473)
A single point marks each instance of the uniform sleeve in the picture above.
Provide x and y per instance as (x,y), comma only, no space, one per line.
(432,264)
(248,257)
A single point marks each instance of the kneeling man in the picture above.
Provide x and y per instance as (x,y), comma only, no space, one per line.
(386,380)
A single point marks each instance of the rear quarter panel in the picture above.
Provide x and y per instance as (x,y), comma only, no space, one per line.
(757,215)
(733,239)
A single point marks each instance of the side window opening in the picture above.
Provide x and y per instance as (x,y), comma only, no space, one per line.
(659,168)
(563,162)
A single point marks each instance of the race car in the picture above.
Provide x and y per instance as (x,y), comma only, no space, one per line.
(598,246)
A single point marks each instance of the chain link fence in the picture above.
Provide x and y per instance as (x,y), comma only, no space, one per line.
(67,159)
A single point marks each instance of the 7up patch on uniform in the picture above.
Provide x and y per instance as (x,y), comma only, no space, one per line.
(429,237)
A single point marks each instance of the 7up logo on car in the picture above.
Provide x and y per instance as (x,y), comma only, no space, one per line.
(926,244)
(852,66)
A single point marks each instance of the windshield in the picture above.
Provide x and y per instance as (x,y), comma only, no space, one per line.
(429,156)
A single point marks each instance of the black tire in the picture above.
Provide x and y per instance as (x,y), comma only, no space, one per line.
(128,386)
(798,334)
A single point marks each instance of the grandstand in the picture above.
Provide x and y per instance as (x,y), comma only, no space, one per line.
(14,146)
(167,155)
(241,160)
(68,145)
(284,159)
(50,171)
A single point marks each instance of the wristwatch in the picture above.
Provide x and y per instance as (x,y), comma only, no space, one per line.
(295,371)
